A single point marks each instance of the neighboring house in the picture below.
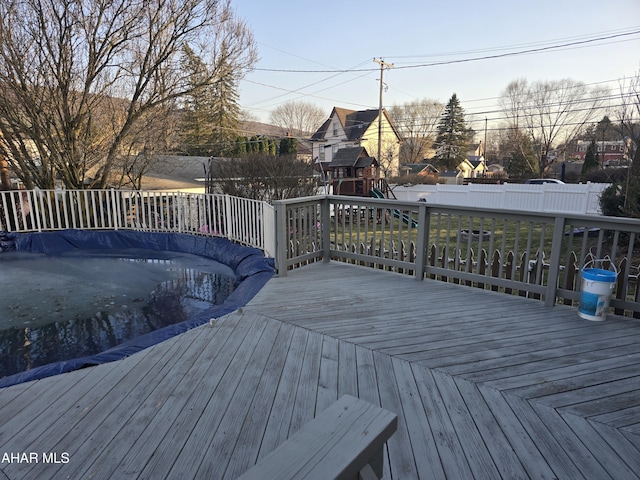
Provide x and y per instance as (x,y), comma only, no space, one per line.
(610,153)
(495,169)
(450,177)
(348,128)
(473,167)
(304,150)
(352,172)
(421,169)
(170,173)
(476,149)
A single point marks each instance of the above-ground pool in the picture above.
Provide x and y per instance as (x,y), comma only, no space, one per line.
(73,298)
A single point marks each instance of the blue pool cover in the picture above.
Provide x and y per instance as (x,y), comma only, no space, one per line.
(252,270)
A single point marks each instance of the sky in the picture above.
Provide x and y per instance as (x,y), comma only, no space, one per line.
(323,52)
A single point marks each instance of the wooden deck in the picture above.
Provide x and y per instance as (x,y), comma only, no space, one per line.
(485,386)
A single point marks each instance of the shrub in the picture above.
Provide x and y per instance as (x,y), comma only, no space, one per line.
(607,175)
(612,201)
(413,179)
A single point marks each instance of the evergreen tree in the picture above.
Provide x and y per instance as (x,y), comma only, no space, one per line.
(240,146)
(591,158)
(522,160)
(225,114)
(452,141)
(211,117)
(253,145)
(288,146)
(196,122)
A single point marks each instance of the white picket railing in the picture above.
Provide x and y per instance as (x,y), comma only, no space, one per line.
(241,220)
(575,199)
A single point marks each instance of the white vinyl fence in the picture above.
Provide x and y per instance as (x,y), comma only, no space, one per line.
(577,199)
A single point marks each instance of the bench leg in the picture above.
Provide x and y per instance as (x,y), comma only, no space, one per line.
(374,467)
(367,473)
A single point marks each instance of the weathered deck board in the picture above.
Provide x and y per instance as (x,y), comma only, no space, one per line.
(279,419)
(485,385)
(245,453)
(506,461)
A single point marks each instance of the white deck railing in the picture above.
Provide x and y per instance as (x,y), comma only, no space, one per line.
(538,255)
(241,220)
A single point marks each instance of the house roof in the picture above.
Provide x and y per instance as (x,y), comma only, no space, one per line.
(176,172)
(449,173)
(354,123)
(348,157)
(419,167)
(364,162)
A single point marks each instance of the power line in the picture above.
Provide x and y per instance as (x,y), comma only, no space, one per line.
(524,45)
(464,60)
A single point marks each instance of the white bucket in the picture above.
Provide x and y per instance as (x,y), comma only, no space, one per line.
(597,286)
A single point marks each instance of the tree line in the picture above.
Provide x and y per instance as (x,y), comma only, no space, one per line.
(536,120)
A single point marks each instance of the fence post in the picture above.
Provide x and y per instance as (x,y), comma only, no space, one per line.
(554,261)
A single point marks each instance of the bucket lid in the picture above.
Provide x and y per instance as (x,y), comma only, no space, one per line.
(599,275)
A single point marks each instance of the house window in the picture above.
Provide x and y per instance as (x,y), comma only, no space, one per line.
(335,148)
(321,155)
(335,130)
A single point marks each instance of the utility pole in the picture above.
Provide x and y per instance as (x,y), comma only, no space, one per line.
(383,65)
(484,147)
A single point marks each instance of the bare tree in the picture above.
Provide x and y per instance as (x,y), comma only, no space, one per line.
(512,101)
(624,199)
(551,112)
(263,177)
(515,141)
(417,122)
(298,118)
(629,117)
(79,77)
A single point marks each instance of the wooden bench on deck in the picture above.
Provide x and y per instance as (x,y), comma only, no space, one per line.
(343,442)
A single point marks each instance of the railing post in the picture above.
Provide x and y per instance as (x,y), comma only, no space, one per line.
(228,224)
(114,206)
(325,222)
(423,241)
(554,261)
(268,224)
(281,239)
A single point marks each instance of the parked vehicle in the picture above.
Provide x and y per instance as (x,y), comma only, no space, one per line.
(540,181)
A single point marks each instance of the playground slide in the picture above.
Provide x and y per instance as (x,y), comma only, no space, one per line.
(396,213)
(375,193)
